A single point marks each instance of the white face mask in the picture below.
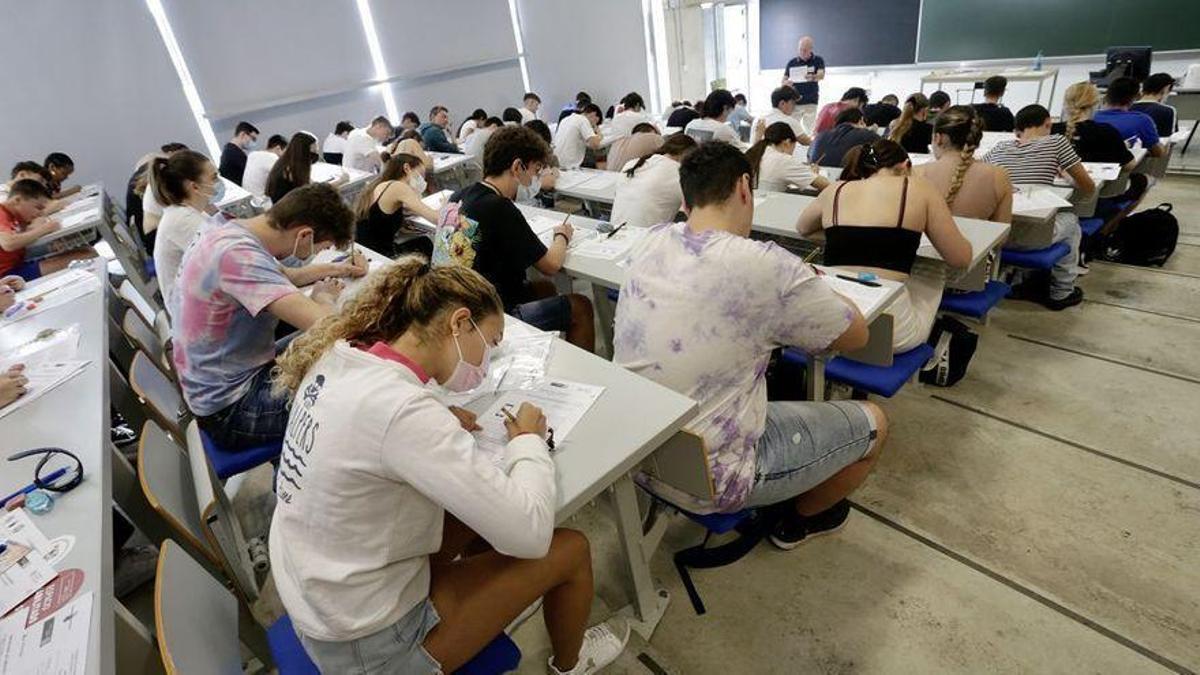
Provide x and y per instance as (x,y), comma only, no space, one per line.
(417,182)
(295,260)
(467,376)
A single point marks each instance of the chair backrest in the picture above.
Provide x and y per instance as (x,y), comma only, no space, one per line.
(146,307)
(165,473)
(682,464)
(700,135)
(195,617)
(146,339)
(158,393)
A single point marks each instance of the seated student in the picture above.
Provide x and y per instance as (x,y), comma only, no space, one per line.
(1155,90)
(972,189)
(433,133)
(783,109)
(1132,125)
(701,311)
(712,125)
(995,116)
(233,155)
(231,294)
(409,121)
(475,143)
(855,98)
(548,177)
(383,207)
(643,140)
(575,134)
(873,221)
(775,167)
(581,99)
(21,224)
(910,130)
(30,170)
(633,113)
(829,147)
(374,442)
(469,125)
(294,167)
(682,115)
(259,164)
(511,117)
(1037,157)
(142,210)
(60,167)
(883,113)
(740,114)
(335,143)
(363,145)
(185,183)
(529,107)
(1094,141)
(938,101)
(489,234)
(648,191)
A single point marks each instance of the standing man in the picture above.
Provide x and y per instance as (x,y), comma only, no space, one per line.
(803,73)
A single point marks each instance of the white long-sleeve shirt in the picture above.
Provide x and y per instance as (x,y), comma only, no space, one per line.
(371,462)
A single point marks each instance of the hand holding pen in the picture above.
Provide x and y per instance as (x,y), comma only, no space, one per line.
(528,420)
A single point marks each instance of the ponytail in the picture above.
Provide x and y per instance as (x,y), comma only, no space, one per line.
(964,127)
(168,174)
(408,295)
(779,132)
(868,159)
(676,144)
(913,105)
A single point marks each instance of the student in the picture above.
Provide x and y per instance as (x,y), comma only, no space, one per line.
(233,155)
(1155,90)
(357,581)
(469,125)
(21,224)
(30,170)
(335,143)
(682,115)
(783,109)
(740,114)
(831,146)
(575,135)
(478,139)
(712,126)
(854,99)
(995,116)
(633,112)
(185,183)
(1037,157)
(382,208)
(776,169)
(232,293)
(142,210)
(883,113)
(511,117)
(581,99)
(489,234)
(648,191)
(972,189)
(60,167)
(1094,141)
(911,130)
(938,101)
(643,140)
(433,132)
(363,145)
(294,167)
(547,177)
(259,164)
(701,311)
(873,221)
(1132,125)
(529,107)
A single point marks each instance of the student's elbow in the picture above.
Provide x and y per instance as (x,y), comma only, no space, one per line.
(854,337)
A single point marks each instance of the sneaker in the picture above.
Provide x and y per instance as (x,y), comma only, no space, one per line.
(134,567)
(794,529)
(601,646)
(1075,297)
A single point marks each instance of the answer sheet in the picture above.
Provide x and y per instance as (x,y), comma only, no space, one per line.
(51,291)
(564,403)
(43,377)
(611,247)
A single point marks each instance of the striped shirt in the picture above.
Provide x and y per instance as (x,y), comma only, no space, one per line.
(1038,161)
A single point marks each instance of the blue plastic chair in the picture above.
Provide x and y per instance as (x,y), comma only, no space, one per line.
(1038,259)
(880,380)
(975,304)
(751,526)
(226,463)
(1090,226)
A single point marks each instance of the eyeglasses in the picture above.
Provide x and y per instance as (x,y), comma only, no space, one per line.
(53,478)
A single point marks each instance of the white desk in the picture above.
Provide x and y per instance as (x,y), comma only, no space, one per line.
(237,200)
(356,179)
(597,188)
(939,77)
(80,220)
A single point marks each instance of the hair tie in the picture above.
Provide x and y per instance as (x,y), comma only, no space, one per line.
(424,269)
(870,156)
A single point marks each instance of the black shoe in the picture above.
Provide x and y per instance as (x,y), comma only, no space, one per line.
(1071,300)
(793,529)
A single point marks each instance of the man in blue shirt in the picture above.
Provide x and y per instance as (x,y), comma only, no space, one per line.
(1132,124)
(803,73)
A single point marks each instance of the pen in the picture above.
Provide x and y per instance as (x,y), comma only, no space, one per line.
(513,419)
(858,281)
(616,230)
(53,476)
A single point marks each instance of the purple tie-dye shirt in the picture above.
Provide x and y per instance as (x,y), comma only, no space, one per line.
(700,313)
(221,330)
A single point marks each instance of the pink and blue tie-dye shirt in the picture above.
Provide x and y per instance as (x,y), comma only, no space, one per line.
(221,330)
(700,313)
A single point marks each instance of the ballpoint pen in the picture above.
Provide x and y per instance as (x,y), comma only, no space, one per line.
(549,430)
(616,230)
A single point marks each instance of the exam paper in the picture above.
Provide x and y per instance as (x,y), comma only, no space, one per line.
(52,291)
(56,645)
(564,404)
(868,299)
(1027,201)
(609,248)
(52,344)
(1102,170)
(43,378)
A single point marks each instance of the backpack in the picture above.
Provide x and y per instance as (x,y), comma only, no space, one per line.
(953,346)
(1144,238)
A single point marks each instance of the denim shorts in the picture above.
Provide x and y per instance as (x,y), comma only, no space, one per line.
(395,649)
(552,314)
(29,270)
(804,444)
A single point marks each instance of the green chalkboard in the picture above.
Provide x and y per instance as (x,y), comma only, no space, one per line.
(962,30)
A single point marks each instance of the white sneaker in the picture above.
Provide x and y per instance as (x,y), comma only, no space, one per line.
(601,646)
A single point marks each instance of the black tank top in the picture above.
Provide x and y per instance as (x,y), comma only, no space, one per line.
(889,248)
(378,231)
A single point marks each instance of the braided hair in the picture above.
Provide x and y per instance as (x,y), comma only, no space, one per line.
(964,127)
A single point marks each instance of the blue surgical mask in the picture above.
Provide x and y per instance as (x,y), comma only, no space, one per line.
(250,145)
(218,192)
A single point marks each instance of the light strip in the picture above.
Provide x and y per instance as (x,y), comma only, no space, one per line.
(381,71)
(185,77)
(516,25)
(661,63)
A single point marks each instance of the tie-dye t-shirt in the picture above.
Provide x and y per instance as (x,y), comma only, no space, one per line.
(222,333)
(700,314)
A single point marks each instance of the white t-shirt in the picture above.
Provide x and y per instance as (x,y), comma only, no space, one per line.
(720,130)
(700,313)
(371,462)
(150,204)
(258,166)
(624,122)
(468,128)
(570,141)
(475,143)
(176,230)
(771,118)
(334,144)
(357,155)
(527,115)
(777,171)
(651,197)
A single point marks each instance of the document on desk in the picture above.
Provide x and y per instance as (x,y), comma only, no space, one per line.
(868,299)
(1102,170)
(55,645)
(43,378)
(1178,137)
(31,571)
(51,344)
(51,291)
(564,404)
(606,247)
(1028,201)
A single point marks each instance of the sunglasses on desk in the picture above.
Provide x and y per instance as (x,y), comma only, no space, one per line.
(58,470)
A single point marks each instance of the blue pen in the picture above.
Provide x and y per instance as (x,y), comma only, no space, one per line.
(53,476)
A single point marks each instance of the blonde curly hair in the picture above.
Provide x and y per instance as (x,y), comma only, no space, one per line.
(1079,101)
(407,295)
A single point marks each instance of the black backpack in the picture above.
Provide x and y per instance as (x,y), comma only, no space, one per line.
(1144,238)
(953,346)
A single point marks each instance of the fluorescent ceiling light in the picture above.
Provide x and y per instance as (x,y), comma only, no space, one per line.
(381,71)
(516,26)
(185,77)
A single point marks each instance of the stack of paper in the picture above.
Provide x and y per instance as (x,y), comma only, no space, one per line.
(610,246)
(563,403)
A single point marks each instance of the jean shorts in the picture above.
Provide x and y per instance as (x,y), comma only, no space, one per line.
(804,444)
(395,649)
(29,270)
(551,314)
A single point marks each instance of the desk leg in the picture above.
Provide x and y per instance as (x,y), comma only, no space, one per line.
(1189,138)
(649,604)
(815,380)
(606,312)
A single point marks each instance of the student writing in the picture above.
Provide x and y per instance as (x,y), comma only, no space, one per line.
(648,191)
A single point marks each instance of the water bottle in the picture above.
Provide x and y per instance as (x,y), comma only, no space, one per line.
(1037,61)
